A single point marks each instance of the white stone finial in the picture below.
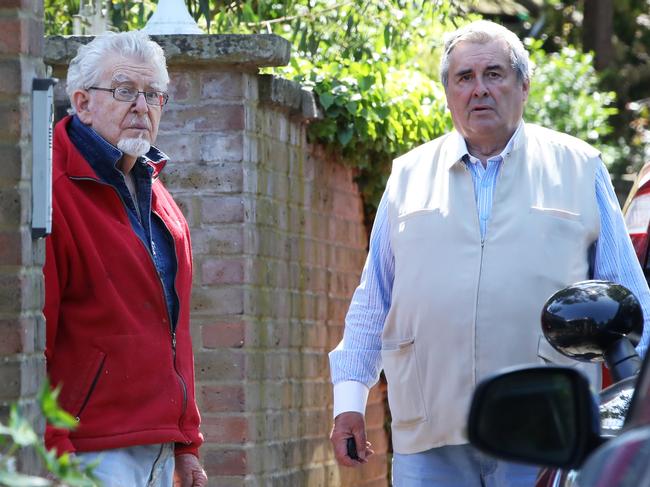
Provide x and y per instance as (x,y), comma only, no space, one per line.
(172,17)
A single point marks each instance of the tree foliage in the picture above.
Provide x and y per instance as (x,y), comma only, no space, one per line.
(626,71)
(565,95)
(122,15)
(373,66)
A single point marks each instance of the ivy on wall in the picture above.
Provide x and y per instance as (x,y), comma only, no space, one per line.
(372,114)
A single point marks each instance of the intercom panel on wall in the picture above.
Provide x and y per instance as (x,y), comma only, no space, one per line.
(42,119)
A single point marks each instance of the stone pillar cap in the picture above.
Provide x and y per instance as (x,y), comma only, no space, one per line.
(243,50)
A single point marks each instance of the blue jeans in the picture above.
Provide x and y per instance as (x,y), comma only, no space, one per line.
(136,466)
(459,466)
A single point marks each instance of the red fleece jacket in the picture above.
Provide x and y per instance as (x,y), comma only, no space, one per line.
(109,343)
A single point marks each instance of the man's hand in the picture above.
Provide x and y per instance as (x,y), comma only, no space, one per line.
(350,425)
(188,472)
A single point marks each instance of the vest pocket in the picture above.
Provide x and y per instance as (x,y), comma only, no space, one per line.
(404,385)
(557,213)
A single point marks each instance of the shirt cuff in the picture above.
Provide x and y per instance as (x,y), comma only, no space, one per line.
(349,396)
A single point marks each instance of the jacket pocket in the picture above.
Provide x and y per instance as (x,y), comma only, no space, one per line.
(76,395)
(405,394)
(92,385)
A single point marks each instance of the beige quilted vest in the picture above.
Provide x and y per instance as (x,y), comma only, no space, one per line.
(463,308)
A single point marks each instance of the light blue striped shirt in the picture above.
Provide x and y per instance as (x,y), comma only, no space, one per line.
(356,362)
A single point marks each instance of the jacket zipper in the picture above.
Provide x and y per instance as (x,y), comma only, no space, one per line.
(162,288)
(173,334)
(182,383)
(91,389)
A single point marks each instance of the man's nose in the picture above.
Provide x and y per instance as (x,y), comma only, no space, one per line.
(480,89)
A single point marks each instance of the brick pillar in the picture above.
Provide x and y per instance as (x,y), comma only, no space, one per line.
(21,258)
(279,243)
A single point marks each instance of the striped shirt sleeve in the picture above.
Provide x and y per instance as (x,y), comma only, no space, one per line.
(615,259)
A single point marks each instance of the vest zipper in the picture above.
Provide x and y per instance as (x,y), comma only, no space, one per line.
(478,287)
(91,389)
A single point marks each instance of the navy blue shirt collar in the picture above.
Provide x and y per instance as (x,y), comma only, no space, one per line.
(104,156)
(149,227)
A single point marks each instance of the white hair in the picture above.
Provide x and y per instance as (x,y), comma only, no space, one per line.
(86,68)
(481,32)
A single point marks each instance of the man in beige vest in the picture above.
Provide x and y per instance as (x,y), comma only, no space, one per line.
(475,230)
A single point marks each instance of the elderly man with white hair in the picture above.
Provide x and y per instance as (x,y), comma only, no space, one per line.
(476,229)
(118,274)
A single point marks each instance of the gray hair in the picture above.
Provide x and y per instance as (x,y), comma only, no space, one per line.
(481,32)
(86,68)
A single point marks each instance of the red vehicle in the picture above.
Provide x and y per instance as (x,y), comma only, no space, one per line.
(637,216)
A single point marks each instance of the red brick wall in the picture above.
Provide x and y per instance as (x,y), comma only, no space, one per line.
(279,244)
(21,258)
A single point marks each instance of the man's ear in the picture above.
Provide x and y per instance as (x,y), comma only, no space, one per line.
(81,105)
(526,89)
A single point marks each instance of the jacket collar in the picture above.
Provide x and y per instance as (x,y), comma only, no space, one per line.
(97,153)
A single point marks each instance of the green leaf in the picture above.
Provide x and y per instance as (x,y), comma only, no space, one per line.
(351,107)
(53,413)
(366,82)
(20,430)
(326,100)
(387,35)
(204,10)
(248,13)
(12,479)
(344,136)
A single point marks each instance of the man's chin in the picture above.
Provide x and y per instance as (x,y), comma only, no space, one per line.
(134,147)
(486,124)
(484,116)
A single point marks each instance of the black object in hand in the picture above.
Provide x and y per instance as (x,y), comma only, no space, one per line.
(352,449)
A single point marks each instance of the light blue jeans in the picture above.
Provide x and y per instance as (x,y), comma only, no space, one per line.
(459,466)
(136,466)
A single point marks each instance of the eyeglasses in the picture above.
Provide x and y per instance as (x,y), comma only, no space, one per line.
(124,93)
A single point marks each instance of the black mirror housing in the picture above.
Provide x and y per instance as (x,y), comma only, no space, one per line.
(537,415)
(585,320)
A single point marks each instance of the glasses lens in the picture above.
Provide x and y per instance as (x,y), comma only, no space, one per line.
(157,98)
(123,93)
(153,98)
